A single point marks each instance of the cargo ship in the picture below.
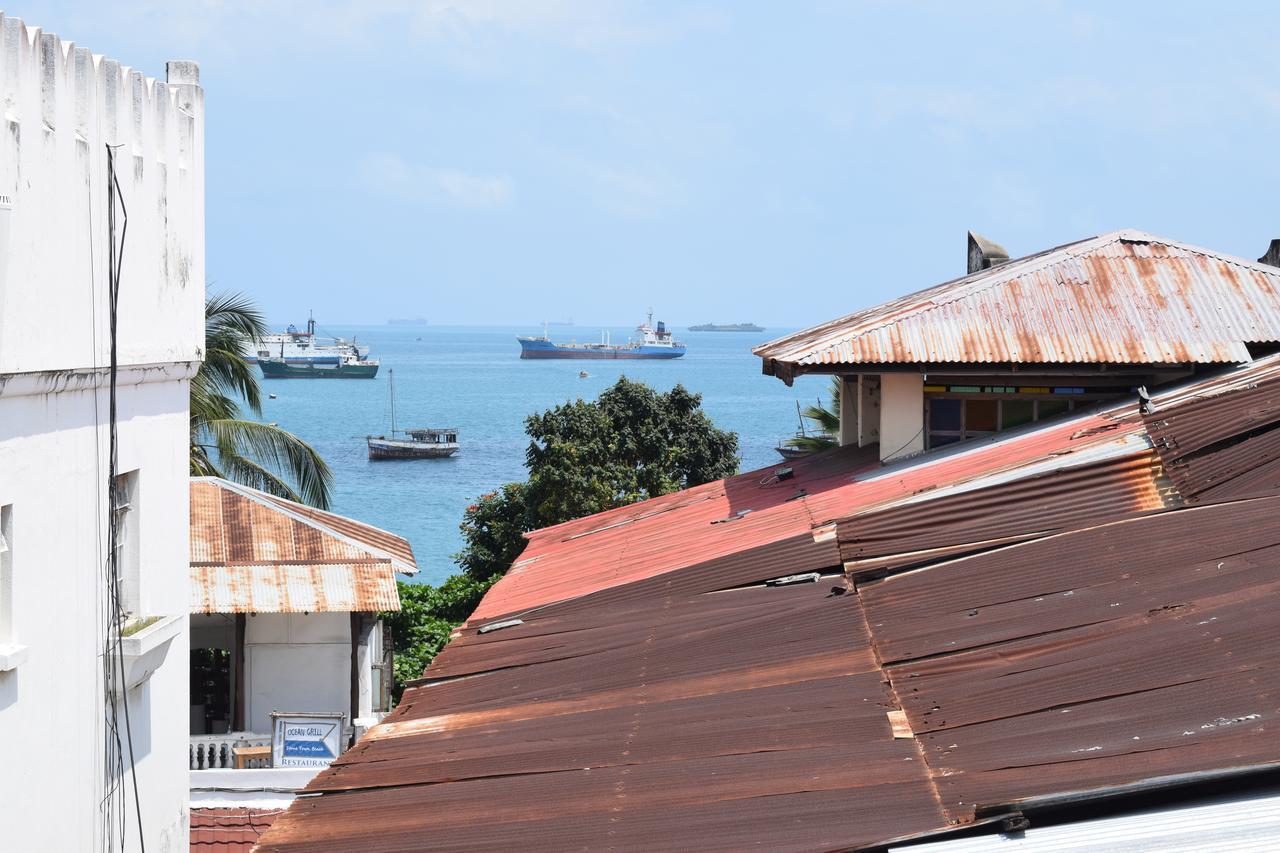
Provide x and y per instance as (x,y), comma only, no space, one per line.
(726,327)
(654,342)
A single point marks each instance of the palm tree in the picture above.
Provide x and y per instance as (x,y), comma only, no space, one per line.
(825,420)
(222,444)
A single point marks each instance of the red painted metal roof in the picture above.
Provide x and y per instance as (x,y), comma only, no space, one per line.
(1122,298)
(228,830)
(692,528)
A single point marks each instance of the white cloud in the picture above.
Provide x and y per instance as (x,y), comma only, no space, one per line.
(390,174)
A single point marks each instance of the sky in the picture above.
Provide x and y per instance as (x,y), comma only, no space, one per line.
(504,162)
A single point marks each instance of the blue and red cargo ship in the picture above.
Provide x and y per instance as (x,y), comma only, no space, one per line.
(654,342)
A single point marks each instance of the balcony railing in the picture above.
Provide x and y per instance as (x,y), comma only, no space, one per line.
(213,752)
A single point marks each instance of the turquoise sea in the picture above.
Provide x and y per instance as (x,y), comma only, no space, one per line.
(473,378)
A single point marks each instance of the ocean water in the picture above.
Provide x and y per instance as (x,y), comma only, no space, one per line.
(473,378)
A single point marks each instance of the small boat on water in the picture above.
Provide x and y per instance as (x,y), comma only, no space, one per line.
(429,443)
(655,342)
(787,451)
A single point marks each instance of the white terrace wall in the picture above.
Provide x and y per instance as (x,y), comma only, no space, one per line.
(62,107)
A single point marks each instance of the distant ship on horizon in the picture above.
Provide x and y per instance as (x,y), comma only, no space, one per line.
(726,327)
(407,321)
(568,322)
(655,342)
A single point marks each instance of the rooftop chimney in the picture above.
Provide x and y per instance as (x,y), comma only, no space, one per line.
(984,254)
(1272,257)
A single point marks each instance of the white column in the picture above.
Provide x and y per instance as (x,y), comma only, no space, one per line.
(901,415)
(868,410)
(849,398)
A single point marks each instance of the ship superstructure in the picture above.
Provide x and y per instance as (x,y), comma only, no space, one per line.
(303,354)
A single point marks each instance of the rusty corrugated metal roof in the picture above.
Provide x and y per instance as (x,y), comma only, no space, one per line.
(287,588)
(1071,659)
(1090,661)
(1121,298)
(700,533)
(254,553)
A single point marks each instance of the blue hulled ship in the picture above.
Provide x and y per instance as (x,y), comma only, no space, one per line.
(654,342)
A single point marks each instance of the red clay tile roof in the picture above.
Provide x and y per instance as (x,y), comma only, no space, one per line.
(228,830)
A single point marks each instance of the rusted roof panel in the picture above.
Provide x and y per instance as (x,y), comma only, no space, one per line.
(749,719)
(700,530)
(235,524)
(290,588)
(1223,442)
(371,538)
(254,553)
(1122,298)
(1092,660)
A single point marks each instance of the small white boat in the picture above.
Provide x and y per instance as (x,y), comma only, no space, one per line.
(431,443)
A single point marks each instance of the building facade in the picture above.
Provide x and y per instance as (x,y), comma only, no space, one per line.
(101,251)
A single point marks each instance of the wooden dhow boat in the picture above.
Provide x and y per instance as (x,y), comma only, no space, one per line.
(430,443)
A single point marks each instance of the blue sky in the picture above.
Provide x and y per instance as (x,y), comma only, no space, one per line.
(504,162)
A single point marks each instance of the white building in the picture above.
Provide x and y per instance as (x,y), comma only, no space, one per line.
(64,110)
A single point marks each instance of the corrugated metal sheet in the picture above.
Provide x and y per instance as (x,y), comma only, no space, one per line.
(309,588)
(253,553)
(752,719)
(690,532)
(1223,442)
(1091,660)
(1121,298)
(231,523)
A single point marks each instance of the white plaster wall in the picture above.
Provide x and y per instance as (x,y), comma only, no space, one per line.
(61,107)
(296,662)
(53,473)
(901,415)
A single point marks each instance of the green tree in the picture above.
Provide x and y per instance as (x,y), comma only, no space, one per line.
(225,445)
(826,423)
(630,444)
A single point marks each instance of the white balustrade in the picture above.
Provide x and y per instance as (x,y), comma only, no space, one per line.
(213,752)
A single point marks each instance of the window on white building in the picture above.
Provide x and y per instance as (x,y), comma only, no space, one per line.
(124,515)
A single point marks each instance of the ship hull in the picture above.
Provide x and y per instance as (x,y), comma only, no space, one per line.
(394,448)
(276,369)
(535,348)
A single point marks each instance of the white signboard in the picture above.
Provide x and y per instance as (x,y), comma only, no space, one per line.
(305,740)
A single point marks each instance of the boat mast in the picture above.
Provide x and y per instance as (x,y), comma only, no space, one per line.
(391,385)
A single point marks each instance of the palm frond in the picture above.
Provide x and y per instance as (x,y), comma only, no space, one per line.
(231,324)
(241,444)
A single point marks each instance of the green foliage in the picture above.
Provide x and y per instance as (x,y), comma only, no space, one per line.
(494,528)
(427,614)
(222,444)
(584,457)
(631,444)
